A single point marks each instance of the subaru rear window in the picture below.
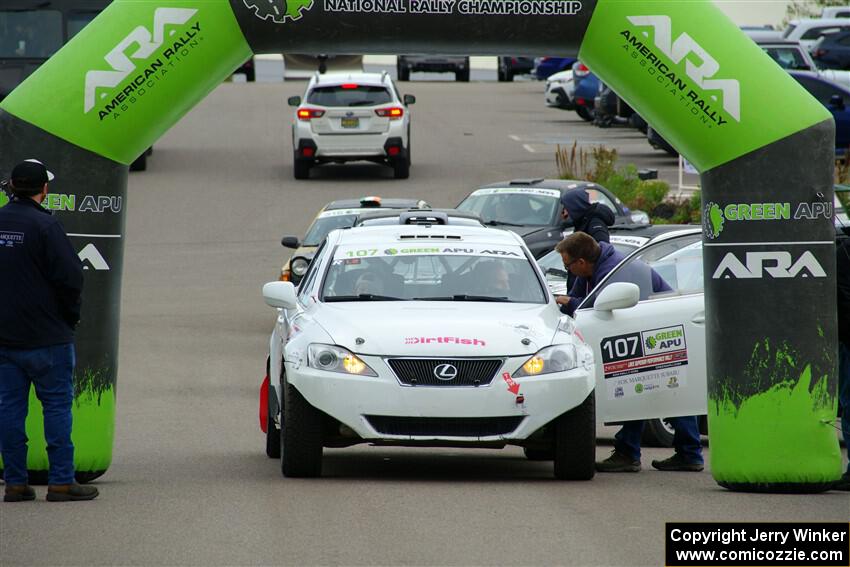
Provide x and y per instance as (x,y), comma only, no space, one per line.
(345,95)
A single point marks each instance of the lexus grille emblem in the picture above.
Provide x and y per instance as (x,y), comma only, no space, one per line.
(445,372)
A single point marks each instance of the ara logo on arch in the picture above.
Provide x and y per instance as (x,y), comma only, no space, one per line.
(779,264)
(145,41)
(704,73)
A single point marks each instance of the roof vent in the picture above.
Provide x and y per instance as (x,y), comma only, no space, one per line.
(526,181)
(429,237)
(424,217)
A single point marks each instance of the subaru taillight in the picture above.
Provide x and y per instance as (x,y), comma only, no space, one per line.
(393,113)
(581,70)
(307,114)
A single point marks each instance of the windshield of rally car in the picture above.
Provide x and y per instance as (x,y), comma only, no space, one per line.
(458,272)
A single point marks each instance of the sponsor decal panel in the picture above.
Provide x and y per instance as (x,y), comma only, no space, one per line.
(640,363)
(347,252)
(716,216)
(555,193)
(160,49)
(774,264)
(712,99)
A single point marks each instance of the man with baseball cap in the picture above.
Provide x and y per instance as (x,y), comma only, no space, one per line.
(40,294)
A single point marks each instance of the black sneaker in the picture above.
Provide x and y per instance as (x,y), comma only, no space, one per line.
(618,462)
(18,493)
(677,463)
(70,492)
(843,483)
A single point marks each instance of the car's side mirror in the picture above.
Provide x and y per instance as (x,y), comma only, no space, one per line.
(557,272)
(294,101)
(836,101)
(409,99)
(619,295)
(290,242)
(280,294)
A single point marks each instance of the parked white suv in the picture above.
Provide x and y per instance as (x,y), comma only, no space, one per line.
(350,117)
(809,31)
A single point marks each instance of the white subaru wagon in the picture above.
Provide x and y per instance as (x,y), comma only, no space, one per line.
(426,336)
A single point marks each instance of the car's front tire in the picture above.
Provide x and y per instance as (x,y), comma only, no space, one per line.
(300,437)
(575,442)
(462,76)
(403,73)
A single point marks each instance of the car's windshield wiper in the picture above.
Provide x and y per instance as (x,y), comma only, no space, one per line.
(503,223)
(362,297)
(464,298)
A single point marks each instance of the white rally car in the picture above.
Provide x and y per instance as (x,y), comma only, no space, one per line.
(433,335)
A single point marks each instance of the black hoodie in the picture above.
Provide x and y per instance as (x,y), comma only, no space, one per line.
(593,219)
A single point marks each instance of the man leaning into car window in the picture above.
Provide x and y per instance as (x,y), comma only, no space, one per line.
(591,262)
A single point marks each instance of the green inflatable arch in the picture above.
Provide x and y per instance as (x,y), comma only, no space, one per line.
(742,121)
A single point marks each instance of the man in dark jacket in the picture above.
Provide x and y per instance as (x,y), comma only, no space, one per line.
(591,262)
(39,307)
(591,218)
(843,271)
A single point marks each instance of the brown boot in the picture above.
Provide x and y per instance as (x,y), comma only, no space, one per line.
(70,492)
(18,493)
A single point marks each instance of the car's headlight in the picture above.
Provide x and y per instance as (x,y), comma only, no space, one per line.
(332,358)
(299,266)
(639,217)
(555,358)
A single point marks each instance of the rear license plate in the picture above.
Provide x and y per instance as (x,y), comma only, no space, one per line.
(349,122)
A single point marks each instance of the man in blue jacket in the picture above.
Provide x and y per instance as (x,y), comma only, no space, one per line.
(39,307)
(591,262)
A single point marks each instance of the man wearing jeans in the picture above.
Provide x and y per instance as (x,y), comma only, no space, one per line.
(39,307)
(590,262)
(843,270)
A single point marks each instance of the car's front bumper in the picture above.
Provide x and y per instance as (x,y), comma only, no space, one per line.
(353,400)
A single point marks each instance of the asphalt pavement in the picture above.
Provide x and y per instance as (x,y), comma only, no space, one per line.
(190,483)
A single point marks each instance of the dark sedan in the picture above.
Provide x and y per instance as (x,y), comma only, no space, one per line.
(343,213)
(532,208)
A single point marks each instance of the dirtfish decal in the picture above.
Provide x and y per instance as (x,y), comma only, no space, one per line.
(715,216)
(443,341)
(706,107)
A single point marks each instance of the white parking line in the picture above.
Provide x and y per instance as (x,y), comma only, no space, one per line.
(529,149)
(514,137)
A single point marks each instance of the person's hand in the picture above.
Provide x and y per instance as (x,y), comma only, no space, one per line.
(562,299)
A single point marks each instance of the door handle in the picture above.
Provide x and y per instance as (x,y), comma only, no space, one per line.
(698,319)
